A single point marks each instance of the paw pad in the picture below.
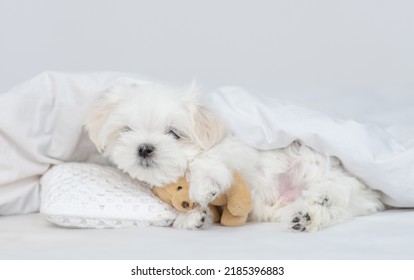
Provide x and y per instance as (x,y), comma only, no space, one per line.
(300,221)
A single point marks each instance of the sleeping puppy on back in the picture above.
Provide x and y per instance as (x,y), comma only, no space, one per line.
(155,133)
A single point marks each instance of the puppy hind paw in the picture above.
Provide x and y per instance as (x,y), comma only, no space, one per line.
(300,221)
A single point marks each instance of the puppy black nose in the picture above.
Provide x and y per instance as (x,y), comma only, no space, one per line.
(145,150)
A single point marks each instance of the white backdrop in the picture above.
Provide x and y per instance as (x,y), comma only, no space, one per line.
(332,46)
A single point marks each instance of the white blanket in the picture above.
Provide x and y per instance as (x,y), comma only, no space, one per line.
(380,152)
(41,125)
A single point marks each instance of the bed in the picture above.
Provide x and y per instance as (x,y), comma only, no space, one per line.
(385,235)
(373,142)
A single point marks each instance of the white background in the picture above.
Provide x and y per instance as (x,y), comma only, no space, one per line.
(333,46)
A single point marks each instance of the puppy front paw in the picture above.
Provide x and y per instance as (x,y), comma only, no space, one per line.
(205,192)
(194,219)
(207,182)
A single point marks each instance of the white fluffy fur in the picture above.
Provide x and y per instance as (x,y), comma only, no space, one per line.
(297,186)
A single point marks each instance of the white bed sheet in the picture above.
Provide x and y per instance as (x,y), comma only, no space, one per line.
(386,235)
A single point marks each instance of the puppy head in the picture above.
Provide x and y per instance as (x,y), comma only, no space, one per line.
(151,131)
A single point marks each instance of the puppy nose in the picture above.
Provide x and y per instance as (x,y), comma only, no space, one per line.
(145,150)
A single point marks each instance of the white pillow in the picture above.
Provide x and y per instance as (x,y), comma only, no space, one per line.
(85,195)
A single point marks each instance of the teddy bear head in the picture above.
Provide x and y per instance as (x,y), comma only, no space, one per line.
(176,194)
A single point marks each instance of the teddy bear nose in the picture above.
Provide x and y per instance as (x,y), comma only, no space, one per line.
(145,150)
(185,204)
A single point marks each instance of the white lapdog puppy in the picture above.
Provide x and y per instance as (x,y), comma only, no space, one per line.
(156,134)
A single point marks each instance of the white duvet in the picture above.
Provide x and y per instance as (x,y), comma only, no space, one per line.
(40,125)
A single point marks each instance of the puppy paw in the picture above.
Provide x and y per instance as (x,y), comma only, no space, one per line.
(313,214)
(194,219)
(208,178)
(301,221)
(205,192)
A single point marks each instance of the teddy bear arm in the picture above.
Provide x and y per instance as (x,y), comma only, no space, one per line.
(215,213)
(239,200)
(220,200)
(228,219)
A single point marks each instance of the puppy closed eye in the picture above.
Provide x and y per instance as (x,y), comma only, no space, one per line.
(125,129)
(174,133)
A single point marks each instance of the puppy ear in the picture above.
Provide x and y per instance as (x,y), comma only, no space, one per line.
(207,129)
(98,117)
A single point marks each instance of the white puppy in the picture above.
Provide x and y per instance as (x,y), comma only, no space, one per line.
(156,134)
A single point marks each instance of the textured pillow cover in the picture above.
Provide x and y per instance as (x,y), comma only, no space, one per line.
(85,195)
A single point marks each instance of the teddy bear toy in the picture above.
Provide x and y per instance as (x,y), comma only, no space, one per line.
(230,208)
